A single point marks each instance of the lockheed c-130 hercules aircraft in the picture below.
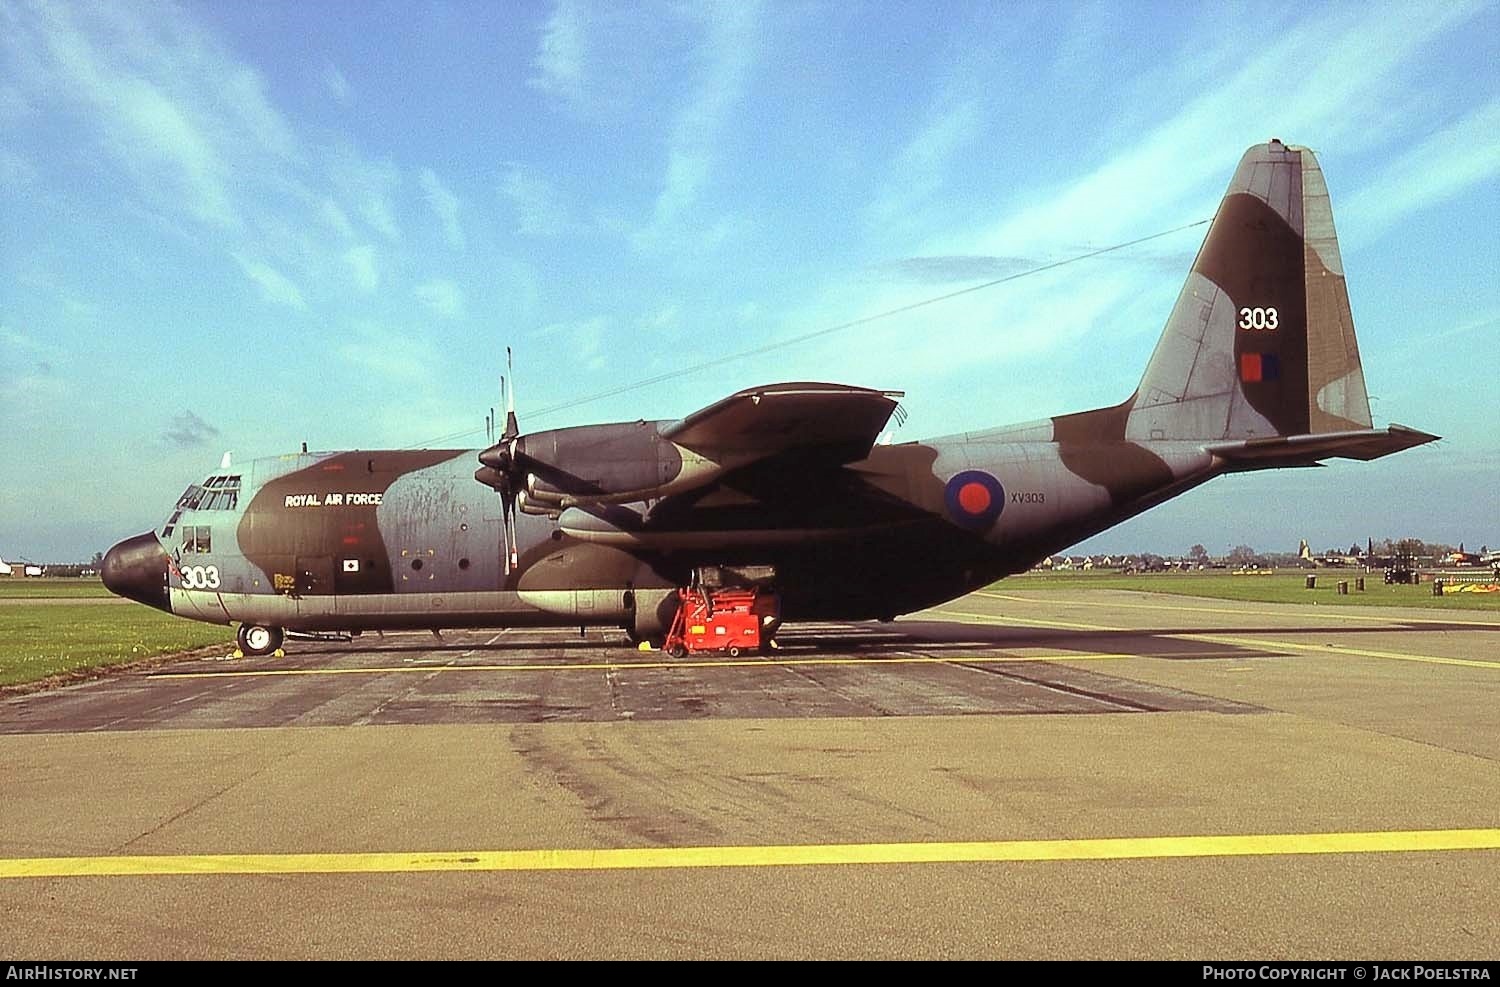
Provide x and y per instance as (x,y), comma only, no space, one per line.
(602,524)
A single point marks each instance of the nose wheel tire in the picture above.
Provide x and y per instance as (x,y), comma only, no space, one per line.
(255,639)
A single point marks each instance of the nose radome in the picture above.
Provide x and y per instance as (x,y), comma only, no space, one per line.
(137,570)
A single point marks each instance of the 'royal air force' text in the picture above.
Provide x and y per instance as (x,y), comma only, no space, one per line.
(334,500)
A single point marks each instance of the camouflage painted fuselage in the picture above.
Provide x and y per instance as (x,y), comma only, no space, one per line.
(357,540)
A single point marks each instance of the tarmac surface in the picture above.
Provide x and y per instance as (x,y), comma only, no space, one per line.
(1028,774)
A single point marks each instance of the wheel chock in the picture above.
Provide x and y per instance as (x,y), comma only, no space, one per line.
(643,646)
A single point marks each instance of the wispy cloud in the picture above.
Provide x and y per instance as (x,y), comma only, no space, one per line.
(585,340)
(393,355)
(1453,159)
(442,296)
(361,262)
(922,164)
(337,85)
(536,203)
(334,217)
(728,49)
(185,134)
(188,431)
(560,55)
(154,135)
(274,286)
(171,106)
(444,205)
(368,186)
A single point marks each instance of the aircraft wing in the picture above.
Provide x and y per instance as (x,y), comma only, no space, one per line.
(839,421)
(799,427)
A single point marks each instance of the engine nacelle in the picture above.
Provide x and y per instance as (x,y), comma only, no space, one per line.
(608,464)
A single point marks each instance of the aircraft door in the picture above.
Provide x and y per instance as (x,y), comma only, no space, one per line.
(314,575)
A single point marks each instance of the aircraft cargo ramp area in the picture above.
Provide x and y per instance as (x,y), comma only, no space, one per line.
(1013,774)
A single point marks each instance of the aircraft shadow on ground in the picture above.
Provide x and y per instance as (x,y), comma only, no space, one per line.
(937,638)
(374,645)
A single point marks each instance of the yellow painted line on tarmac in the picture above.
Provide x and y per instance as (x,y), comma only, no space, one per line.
(675,858)
(1228,610)
(618,666)
(1323,649)
(1339,649)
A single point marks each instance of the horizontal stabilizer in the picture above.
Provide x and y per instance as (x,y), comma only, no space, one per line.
(1305,450)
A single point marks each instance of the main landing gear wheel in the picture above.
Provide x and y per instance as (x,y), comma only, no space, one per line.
(255,639)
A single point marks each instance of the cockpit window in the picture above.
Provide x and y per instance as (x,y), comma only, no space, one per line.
(197,538)
(217,493)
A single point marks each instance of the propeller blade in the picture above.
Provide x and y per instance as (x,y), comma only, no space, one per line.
(512,428)
(512,561)
(504,534)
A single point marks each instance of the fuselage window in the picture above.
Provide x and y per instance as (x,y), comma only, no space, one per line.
(197,538)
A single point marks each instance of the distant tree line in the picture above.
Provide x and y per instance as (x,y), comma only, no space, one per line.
(1242,555)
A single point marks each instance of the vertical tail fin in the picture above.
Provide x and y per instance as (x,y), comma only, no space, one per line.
(1261,341)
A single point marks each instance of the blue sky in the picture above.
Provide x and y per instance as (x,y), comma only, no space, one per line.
(231,226)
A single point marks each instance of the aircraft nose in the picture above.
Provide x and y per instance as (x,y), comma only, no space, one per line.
(137,570)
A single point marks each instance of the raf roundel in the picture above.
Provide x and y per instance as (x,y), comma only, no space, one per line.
(974,498)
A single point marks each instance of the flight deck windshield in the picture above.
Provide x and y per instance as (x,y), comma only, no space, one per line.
(217,493)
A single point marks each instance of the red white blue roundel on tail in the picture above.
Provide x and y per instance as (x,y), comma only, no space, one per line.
(974,499)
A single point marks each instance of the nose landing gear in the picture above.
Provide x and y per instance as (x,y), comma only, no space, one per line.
(257,640)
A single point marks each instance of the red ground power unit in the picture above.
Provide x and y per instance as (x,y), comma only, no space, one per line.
(727,620)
